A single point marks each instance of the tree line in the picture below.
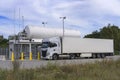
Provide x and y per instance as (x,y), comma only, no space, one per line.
(107,32)
(3,42)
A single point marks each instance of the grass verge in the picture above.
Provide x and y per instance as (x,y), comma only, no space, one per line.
(105,70)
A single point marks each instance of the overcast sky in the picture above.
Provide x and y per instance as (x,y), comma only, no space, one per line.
(83,15)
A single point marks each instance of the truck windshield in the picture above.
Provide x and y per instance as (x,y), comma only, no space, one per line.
(45,44)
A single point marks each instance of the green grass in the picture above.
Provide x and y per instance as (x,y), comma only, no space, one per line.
(105,70)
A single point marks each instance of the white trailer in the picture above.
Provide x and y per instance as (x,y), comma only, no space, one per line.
(55,47)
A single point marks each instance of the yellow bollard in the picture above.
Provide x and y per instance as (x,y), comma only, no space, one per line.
(12,57)
(30,56)
(22,56)
(38,56)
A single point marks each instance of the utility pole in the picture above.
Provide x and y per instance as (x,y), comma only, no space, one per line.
(14,24)
(63,18)
(19,19)
(44,23)
(23,21)
(14,37)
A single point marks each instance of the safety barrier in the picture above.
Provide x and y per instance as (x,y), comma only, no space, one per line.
(12,57)
(38,56)
(22,57)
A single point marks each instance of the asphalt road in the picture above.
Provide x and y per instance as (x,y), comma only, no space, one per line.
(26,64)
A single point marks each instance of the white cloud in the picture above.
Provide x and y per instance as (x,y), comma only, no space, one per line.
(107,6)
(8,30)
(67,5)
(86,14)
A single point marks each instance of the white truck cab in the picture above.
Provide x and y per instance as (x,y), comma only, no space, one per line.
(50,48)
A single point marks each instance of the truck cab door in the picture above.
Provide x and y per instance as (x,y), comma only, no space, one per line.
(54,48)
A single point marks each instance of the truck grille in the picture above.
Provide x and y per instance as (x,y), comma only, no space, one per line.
(44,53)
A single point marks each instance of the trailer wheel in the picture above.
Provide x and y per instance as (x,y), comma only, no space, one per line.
(102,55)
(93,55)
(55,57)
(98,56)
(72,56)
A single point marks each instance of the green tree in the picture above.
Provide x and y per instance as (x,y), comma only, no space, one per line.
(3,42)
(95,34)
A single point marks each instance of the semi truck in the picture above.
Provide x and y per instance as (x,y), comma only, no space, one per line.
(75,47)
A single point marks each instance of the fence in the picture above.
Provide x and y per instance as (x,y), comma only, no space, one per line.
(4,52)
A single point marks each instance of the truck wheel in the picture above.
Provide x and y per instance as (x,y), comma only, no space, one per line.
(55,57)
(98,56)
(102,55)
(93,55)
(72,56)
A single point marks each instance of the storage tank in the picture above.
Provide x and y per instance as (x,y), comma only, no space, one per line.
(45,32)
